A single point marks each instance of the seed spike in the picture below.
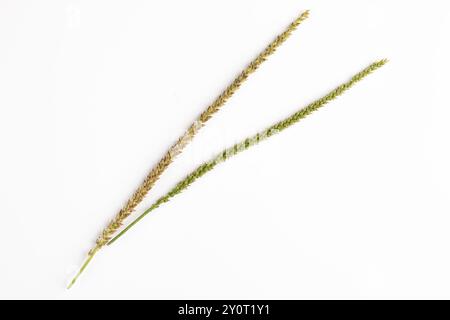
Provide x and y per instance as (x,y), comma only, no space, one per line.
(248,142)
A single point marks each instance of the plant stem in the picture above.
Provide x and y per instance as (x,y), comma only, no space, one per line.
(85,264)
(245,144)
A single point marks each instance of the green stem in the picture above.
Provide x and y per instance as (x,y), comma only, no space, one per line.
(131,225)
(85,264)
(245,144)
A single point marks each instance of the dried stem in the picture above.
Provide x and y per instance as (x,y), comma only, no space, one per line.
(247,143)
(177,148)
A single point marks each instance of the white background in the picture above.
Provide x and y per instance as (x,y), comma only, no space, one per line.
(352,202)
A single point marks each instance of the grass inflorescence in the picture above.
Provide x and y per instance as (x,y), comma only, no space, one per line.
(180,144)
(248,142)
